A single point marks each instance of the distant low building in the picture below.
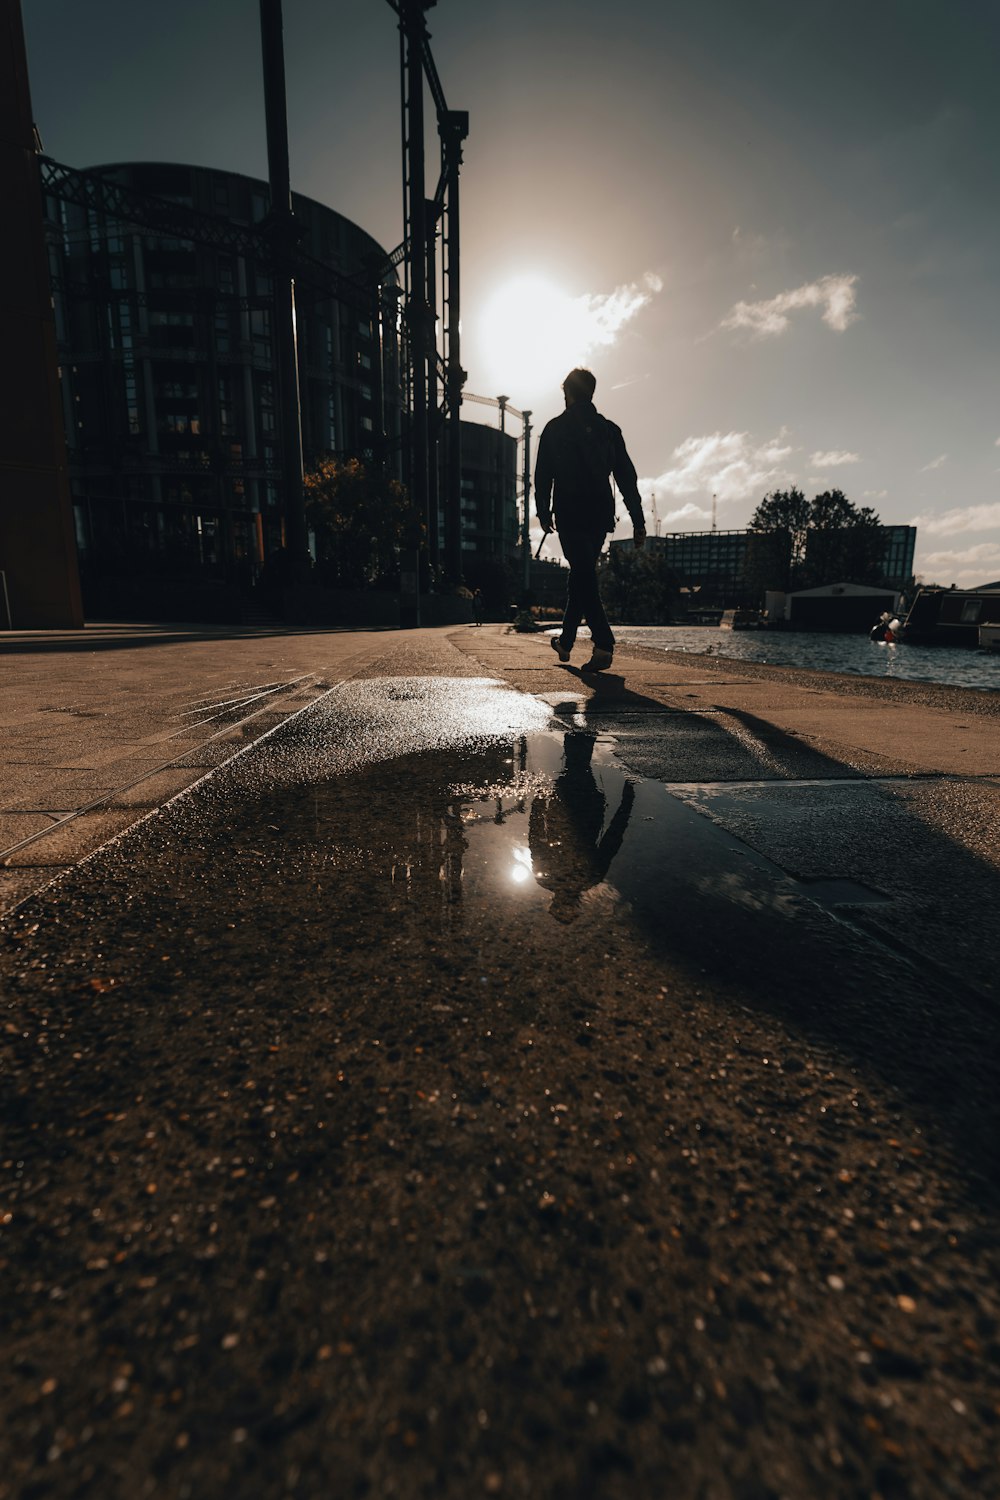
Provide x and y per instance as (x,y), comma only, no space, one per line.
(548,582)
(848,607)
(489,494)
(713,562)
(728,569)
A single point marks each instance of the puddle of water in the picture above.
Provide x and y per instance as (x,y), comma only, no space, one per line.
(574,822)
(399,809)
(420,790)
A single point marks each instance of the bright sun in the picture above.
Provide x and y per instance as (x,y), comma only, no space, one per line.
(531,333)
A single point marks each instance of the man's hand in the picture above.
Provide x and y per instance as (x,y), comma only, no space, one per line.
(638,536)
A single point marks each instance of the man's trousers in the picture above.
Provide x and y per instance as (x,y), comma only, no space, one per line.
(581,550)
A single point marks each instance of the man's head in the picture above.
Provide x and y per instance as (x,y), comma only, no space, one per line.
(579,385)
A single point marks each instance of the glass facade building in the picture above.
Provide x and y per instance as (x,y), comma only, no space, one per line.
(897,561)
(168,375)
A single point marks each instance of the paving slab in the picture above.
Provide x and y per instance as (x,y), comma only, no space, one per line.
(428,1104)
(85,713)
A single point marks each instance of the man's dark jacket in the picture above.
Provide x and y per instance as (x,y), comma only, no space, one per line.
(577,452)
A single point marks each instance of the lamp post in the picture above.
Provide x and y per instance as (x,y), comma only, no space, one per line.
(284,237)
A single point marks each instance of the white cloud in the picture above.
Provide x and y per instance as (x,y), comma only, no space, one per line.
(961,518)
(686,517)
(835,294)
(968,567)
(602,315)
(833,459)
(997,443)
(935,463)
(730,465)
(874,494)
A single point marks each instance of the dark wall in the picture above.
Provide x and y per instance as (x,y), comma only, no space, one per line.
(844,612)
(37,550)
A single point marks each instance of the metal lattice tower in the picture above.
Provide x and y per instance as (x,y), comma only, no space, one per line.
(434,382)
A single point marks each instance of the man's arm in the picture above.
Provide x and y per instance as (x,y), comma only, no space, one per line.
(623,469)
(544,476)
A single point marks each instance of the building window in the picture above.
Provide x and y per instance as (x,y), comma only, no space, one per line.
(266,423)
(260,331)
(177,390)
(221,331)
(227,423)
(179,421)
(172,281)
(171,329)
(131,397)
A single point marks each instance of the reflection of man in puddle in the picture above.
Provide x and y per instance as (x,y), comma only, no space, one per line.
(569,855)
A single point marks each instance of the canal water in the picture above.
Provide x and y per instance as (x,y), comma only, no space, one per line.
(825,653)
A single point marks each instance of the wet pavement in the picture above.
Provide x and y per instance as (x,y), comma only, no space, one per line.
(463,1091)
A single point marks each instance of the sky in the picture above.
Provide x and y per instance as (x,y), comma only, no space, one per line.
(770,227)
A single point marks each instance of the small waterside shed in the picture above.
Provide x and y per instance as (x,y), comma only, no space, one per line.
(848,607)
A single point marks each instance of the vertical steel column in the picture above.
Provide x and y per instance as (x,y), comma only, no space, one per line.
(526,493)
(405,360)
(455,128)
(379,329)
(412,25)
(284,237)
(433,414)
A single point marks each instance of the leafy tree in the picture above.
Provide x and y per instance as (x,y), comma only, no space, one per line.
(843,542)
(360,520)
(784,516)
(639,587)
(826,540)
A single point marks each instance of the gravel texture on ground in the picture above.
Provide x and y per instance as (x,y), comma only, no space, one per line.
(324,1175)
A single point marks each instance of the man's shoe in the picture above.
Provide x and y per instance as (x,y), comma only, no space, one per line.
(561,651)
(598,661)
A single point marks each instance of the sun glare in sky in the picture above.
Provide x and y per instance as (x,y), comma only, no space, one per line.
(531,334)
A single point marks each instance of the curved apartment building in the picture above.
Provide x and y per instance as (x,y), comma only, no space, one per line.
(168,372)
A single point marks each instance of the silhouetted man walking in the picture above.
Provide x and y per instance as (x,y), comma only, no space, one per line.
(577,452)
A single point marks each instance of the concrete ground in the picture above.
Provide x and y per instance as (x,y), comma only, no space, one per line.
(486,1079)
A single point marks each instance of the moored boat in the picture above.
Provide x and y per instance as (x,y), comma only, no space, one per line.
(740,619)
(951,617)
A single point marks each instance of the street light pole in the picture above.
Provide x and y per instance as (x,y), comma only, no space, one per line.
(526,491)
(284,237)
